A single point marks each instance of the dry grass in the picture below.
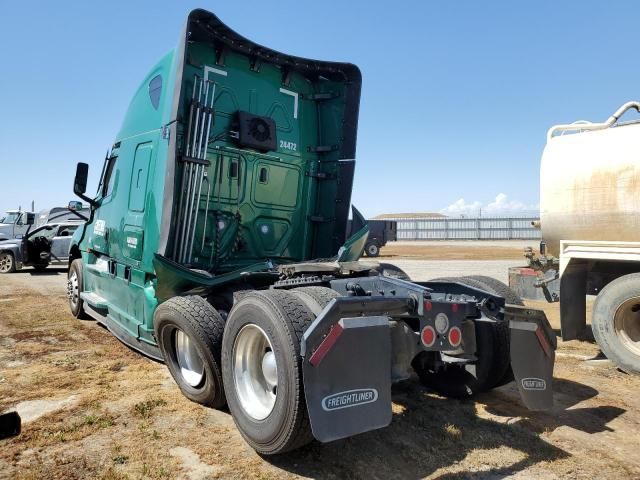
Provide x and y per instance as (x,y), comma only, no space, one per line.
(450,252)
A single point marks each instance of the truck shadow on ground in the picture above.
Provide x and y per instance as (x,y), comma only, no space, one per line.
(567,395)
(429,432)
(50,271)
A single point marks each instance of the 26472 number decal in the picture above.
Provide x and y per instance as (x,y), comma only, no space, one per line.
(288,145)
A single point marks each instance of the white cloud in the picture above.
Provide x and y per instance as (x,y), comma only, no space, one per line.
(501,206)
(461,207)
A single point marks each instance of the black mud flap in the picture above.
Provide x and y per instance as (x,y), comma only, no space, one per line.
(533,346)
(347,377)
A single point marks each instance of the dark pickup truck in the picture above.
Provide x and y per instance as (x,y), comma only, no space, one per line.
(44,246)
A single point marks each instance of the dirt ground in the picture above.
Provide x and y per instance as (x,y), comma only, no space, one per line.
(457,250)
(95,409)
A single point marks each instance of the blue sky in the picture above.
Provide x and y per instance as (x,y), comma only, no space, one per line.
(457,95)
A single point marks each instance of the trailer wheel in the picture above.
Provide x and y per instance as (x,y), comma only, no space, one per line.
(491,367)
(388,270)
(7,263)
(616,322)
(372,249)
(262,370)
(189,332)
(74,289)
(315,298)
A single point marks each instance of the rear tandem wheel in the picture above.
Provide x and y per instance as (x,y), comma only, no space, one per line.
(189,332)
(492,368)
(262,370)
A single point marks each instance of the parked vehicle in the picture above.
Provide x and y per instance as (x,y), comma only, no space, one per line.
(217,244)
(589,206)
(73,212)
(14,224)
(380,232)
(45,245)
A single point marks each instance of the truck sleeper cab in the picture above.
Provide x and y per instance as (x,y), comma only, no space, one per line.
(216,244)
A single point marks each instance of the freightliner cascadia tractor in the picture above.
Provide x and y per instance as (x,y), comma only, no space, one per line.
(216,244)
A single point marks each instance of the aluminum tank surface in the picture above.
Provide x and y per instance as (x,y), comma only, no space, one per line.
(590,186)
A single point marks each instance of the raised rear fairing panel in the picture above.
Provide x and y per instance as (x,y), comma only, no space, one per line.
(287,203)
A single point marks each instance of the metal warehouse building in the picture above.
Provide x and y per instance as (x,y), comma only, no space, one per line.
(436,226)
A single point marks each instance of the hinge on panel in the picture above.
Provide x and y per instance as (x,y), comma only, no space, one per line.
(319,219)
(321,175)
(323,148)
(200,161)
(320,97)
(166,132)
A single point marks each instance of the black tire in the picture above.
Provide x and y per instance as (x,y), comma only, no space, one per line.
(315,298)
(499,288)
(76,304)
(492,366)
(388,270)
(372,249)
(501,328)
(7,262)
(40,267)
(283,318)
(204,327)
(619,339)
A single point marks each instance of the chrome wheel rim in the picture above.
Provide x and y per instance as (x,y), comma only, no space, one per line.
(372,250)
(189,360)
(255,372)
(6,262)
(72,289)
(626,322)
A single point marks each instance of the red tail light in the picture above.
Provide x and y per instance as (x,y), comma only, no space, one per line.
(455,336)
(428,336)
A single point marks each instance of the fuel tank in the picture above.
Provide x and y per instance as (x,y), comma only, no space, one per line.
(590,186)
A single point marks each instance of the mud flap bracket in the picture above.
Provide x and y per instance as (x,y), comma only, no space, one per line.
(347,366)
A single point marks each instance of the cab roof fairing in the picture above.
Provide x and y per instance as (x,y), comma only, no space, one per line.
(202,25)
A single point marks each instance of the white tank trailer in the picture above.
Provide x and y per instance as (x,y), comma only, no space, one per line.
(590,221)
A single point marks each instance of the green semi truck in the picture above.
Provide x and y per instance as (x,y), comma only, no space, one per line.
(216,244)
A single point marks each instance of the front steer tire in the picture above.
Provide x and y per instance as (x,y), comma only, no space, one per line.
(281,318)
(203,326)
(74,289)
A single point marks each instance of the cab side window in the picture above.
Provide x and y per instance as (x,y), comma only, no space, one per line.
(66,231)
(109,176)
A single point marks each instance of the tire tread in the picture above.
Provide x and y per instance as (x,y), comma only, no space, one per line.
(208,324)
